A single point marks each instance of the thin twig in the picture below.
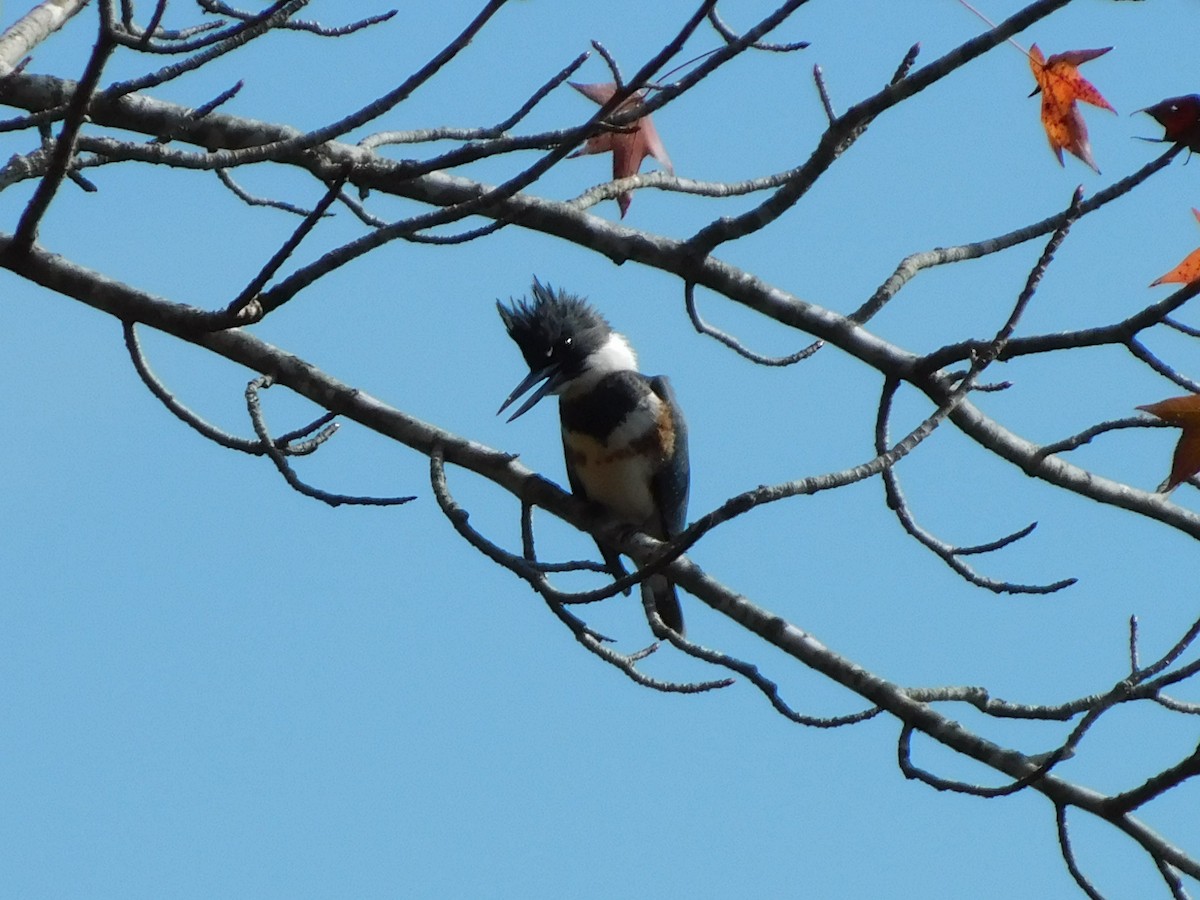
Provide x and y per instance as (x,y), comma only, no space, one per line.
(1133,645)
(1189,330)
(181,412)
(254,408)
(1156,786)
(492,134)
(915,263)
(689,299)
(160,9)
(1068,854)
(64,146)
(1076,441)
(611,62)
(1171,878)
(243,308)
(323,425)
(224,9)
(823,93)
(250,200)
(769,688)
(948,553)
(912,771)
(906,64)
(730,36)
(895,496)
(1139,351)
(540,94)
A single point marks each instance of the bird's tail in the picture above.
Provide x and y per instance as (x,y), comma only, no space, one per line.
(659,595)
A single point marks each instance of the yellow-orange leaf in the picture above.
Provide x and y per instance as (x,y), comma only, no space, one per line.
(1188,270)
(1183,412)
(1061,87)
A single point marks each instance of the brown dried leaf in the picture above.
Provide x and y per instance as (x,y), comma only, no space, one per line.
(1183,412)
(630,144)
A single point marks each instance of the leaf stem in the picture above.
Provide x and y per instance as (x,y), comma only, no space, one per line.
(992,24)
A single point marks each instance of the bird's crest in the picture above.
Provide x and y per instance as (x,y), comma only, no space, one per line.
(542,323)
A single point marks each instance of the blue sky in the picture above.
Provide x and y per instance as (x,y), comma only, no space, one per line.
(215,686)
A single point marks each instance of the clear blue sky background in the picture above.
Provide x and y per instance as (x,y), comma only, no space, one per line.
(212,686)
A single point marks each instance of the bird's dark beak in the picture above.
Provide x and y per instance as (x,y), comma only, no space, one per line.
(552,376)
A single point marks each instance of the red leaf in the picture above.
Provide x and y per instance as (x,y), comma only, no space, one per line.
(630,143)
(1061,87)
(1185,413)
(1188,270)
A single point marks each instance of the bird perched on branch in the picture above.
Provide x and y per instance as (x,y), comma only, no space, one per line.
(624,438)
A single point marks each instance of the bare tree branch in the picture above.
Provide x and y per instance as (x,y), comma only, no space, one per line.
(99,126)
(31,29)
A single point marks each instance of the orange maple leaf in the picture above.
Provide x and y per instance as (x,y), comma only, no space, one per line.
(630,143)
(1061,86)
(1188,270)
(1180,119)
(1183,412)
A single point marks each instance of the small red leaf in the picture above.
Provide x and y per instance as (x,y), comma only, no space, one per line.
(629,144)
(1188,270)
(1183,412)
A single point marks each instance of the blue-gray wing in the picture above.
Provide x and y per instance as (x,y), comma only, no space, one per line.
(671,482)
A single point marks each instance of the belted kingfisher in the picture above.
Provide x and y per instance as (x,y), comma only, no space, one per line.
(624,438)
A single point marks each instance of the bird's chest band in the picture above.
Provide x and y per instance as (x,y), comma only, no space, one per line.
(585,452)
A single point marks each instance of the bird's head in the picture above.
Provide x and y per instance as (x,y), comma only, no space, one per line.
(566,342)
(1179,117)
